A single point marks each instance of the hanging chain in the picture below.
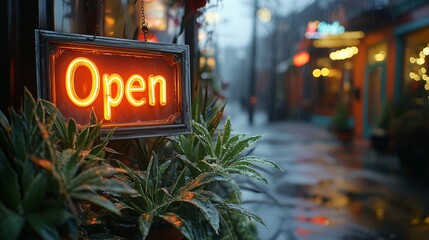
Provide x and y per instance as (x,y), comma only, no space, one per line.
(144,24)
(97,24)
(145,28)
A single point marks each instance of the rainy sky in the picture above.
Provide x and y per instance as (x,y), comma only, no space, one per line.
(236,18)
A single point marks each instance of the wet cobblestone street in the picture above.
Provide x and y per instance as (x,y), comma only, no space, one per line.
(331,191)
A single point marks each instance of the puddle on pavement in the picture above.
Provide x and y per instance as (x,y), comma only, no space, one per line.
(380,212)
(329,191)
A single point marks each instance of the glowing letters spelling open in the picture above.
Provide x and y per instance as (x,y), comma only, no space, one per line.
(135,83)
(136,89)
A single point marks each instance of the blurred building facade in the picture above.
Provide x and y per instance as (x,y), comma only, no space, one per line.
(361,52)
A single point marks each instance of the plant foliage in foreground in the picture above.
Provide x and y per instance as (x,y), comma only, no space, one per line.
(183,189)
(56,182)
(44,172)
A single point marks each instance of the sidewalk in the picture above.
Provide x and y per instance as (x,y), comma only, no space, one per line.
(330,191)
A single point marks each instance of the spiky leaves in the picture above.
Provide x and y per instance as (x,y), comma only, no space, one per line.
(225,153)
(30,197)
(40,180)
(222,154)
(186,204)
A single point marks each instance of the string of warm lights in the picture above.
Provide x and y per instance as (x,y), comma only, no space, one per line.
(344,53)
(419,72)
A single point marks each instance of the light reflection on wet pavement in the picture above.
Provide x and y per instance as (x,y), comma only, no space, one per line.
(331,191)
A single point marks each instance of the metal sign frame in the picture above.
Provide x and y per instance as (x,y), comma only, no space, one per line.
(47,43)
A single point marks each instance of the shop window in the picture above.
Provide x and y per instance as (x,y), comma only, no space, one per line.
(377,54)
(376,77)
(119,18)
(331,81)
(416,77)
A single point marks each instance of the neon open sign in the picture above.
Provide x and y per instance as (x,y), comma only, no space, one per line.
(141,89)
(135,83)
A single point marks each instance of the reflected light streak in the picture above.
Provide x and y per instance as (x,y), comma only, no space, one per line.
(320,220)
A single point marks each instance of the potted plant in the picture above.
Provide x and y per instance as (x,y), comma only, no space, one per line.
(187,187)
(59,180)
(381,136)
(47,169)
(340,124)
(411,134)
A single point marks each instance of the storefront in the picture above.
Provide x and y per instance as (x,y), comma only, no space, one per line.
(330,78)
(374,74)
(411,75)
(391,64)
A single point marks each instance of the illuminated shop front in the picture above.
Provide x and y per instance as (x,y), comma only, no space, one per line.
(374,78)
(415,75)
(331,78)
(391,64)
(412,35)
(375,84)
(352,60)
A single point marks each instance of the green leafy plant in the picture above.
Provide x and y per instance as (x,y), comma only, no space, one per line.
(381,134)
(411,134)
(213,150)
(340,126)
(412,127)
(384,119)
(184,204)
(340,120)
(42,176)
(59,184)
(188,182)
